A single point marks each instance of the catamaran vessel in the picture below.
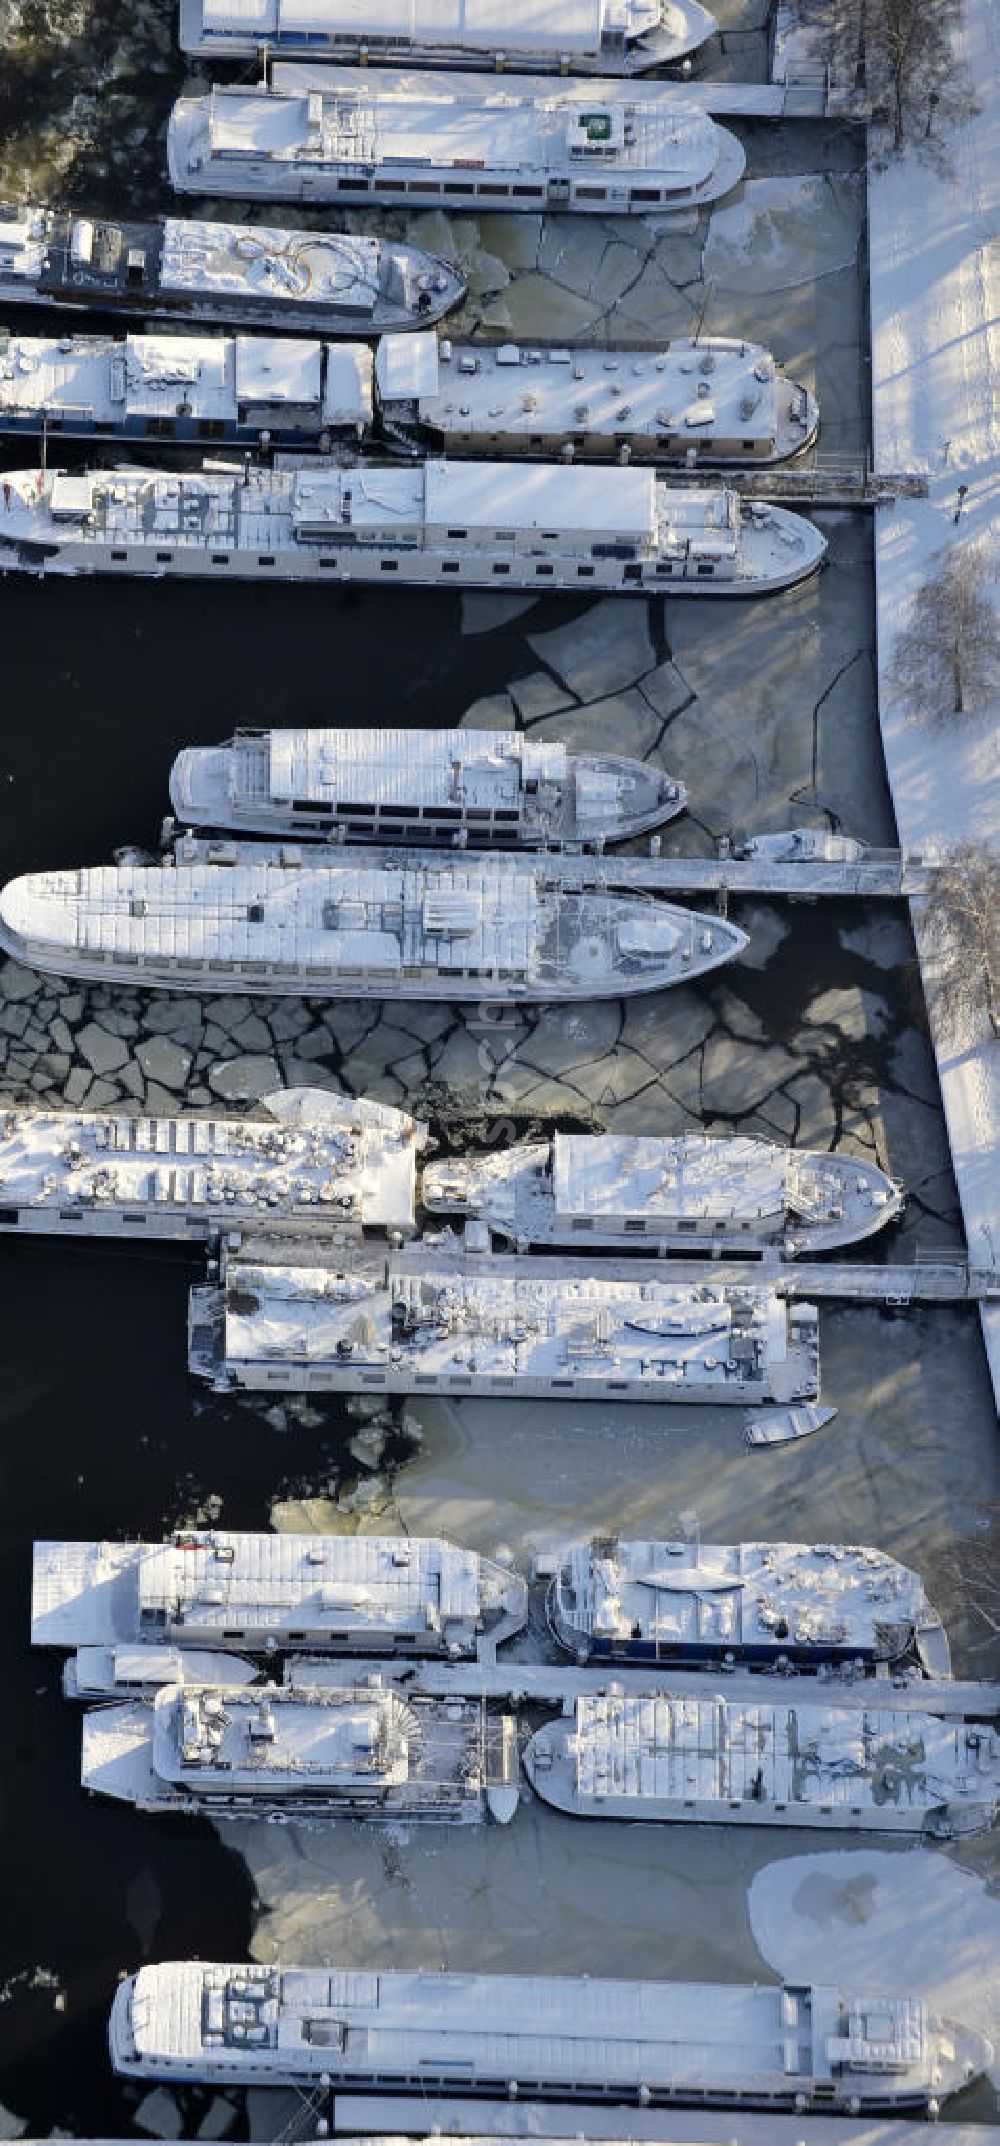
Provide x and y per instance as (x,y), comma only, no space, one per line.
(320,1751)
(485,928)
(613,37)
(432,524)
(803,2046)
(450,141)
(762,1604)
(297,1158)
(691,1760)
(325,282)
(529,1328)
(696,401)
(274,1594)
(689,1192)
(447,787)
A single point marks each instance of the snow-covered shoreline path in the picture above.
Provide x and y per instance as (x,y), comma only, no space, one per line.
(934,244)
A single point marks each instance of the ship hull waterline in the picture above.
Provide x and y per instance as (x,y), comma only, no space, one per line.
(416,570)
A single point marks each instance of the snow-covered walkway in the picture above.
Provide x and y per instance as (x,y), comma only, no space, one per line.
(935,305)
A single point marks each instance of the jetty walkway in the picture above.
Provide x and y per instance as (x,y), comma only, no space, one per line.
(559,1683)
(431,2116)
(878,874)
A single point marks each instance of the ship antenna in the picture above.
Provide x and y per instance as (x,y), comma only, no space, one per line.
(704,310)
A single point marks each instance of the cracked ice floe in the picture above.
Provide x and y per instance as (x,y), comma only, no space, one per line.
(878,1920)
(484,611)
(784,231)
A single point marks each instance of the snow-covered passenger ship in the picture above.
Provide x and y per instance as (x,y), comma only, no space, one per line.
(613,37)
(698,402)
(298,1158)
(322,1751)
(491,927)
(693,1760)
(324,282)
(756,1603)
(685,1192)
(432,524)
(450,141)
(274,1594)
(581,2037)
(483,787)
(531,1328)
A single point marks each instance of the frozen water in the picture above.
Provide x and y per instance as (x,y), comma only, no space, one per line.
(763,240)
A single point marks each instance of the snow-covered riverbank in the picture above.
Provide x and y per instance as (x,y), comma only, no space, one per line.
(935,318)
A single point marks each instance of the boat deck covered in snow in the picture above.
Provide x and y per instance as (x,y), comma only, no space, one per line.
(452,141)
(326,282)
(112,1671)
(646,1755)
(563,2037)
(751,1602)
(438,786)
(697,400)
(276,1750)
(615,37)
(300,1155)
(524,1328)
(241,388)
(480,525)
(272,1594)
(728,1195)
(491,928)
(694,401)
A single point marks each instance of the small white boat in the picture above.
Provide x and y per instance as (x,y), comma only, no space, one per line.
(778,1426)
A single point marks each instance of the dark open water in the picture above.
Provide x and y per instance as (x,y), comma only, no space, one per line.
(102,1432)
(102,683)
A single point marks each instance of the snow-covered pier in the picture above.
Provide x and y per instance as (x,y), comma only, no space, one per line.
(558,1683)
(894,1284)
(803,864)
(392,2116)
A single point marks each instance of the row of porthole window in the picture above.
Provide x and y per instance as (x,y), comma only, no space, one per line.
(543,571)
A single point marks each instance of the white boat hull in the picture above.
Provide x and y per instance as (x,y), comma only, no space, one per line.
(415,569)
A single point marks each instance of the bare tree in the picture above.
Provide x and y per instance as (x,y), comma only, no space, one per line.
(898,56)
(963,1577)
(947,659)
(958,930)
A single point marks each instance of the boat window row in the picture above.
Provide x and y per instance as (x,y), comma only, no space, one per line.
(607,554)
(291,1374)
(541,191)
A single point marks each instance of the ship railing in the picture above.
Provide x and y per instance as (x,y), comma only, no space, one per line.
(307,2119)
